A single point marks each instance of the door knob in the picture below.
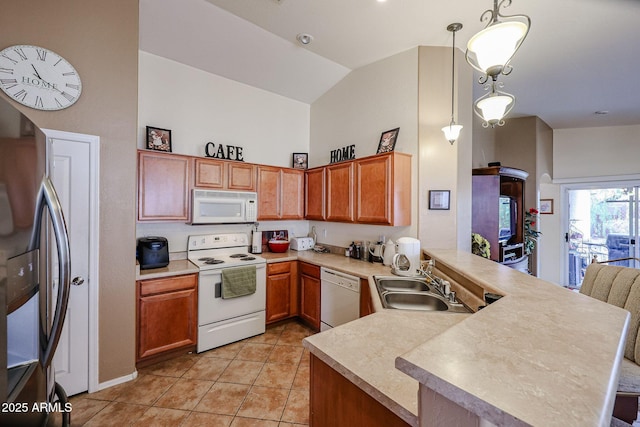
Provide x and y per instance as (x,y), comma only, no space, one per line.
(77,281)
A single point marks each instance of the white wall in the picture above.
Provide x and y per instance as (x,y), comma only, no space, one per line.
(199,107)
(580,156)
(590,153)
(367,102)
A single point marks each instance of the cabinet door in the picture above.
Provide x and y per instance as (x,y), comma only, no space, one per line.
(278,297)
(373,190)
(310,295)
(209,173)
(164,182)
(339,196)
(292,194)
(241,176)
(167,315)
(269,194)
(314,198)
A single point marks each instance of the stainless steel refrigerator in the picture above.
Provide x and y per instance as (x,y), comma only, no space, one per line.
(34,250)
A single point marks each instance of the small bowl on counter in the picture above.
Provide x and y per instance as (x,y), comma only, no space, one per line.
(278,245)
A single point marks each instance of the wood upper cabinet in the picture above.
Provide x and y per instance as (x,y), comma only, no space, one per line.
(339,192)
(314,196)
(282,291)
(371,190)
(167,317)
(225,175)
(383,189)
(280,193)
(269,192)
(241,176)
(310,294)
(292,194)
(164,184)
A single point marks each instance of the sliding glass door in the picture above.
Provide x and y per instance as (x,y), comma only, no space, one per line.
(603,225)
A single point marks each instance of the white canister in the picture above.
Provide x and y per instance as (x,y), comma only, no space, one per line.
(388,252)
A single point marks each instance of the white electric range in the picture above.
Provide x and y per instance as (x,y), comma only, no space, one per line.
(222,321)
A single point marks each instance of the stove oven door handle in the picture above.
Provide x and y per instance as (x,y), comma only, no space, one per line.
(218,290)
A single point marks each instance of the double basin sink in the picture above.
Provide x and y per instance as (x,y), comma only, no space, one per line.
(414,293)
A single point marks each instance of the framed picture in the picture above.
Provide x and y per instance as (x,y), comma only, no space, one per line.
(388,140)
(439,199)
(300,160)
(546,206)
(158,139)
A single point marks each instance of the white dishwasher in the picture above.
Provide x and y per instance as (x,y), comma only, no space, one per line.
(339,298)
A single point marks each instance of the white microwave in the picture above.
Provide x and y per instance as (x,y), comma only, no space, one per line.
(223,207)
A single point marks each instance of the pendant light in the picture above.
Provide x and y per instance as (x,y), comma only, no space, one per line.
(494,106)
(452,131)
(491,50)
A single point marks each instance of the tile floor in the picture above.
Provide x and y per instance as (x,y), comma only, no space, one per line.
(259,382)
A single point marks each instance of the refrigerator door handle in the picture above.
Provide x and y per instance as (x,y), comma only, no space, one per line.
(48,198)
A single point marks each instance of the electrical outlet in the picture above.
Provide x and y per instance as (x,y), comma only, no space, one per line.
(324,232)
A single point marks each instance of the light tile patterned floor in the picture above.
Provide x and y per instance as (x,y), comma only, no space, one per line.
(259,382)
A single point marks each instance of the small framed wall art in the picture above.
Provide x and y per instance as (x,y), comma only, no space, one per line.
(439,199)
(300,160)
(388,140)
(158,139)
(546,206)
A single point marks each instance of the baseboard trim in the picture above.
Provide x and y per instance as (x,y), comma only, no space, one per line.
(116,381)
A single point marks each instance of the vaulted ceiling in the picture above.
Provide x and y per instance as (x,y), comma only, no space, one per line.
(581,56)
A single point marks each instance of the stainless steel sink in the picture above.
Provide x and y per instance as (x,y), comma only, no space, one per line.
(414,301)
(414,293)
(408,284)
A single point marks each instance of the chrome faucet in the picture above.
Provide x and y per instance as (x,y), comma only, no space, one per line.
(441,285)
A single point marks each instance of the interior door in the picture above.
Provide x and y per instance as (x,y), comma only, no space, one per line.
(603,225)
(70,175)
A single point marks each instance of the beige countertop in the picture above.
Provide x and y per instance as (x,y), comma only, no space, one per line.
(542,355)
(341,263)
(175,268)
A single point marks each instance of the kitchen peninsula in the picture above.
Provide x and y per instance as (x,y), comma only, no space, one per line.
(541,355)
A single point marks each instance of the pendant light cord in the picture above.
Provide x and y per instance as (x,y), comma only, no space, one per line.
(453,68)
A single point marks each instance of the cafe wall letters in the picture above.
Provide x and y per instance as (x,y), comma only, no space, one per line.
(225,152)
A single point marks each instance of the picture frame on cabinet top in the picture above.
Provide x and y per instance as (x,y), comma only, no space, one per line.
(300,160)
(388,141)
(158,139)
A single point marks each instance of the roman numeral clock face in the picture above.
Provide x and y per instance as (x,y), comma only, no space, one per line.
(38,78)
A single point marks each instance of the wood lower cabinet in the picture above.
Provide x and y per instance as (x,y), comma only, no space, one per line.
(164,184)
(353,408)
(366,306)
(167,317)
(310,294)
(282,291)
(280,193)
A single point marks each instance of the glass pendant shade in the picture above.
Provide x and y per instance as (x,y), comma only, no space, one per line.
(452,132)
(494,107)
(493,47)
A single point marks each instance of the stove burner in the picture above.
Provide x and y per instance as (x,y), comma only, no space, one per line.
(210,260)
(247,258)
(238,256)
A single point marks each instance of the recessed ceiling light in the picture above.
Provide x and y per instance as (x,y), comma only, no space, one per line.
(304,38)
(602,112)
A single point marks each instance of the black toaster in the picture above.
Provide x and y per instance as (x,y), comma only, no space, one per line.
(152,252)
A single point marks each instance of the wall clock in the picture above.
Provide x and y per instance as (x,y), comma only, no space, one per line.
(38,78)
